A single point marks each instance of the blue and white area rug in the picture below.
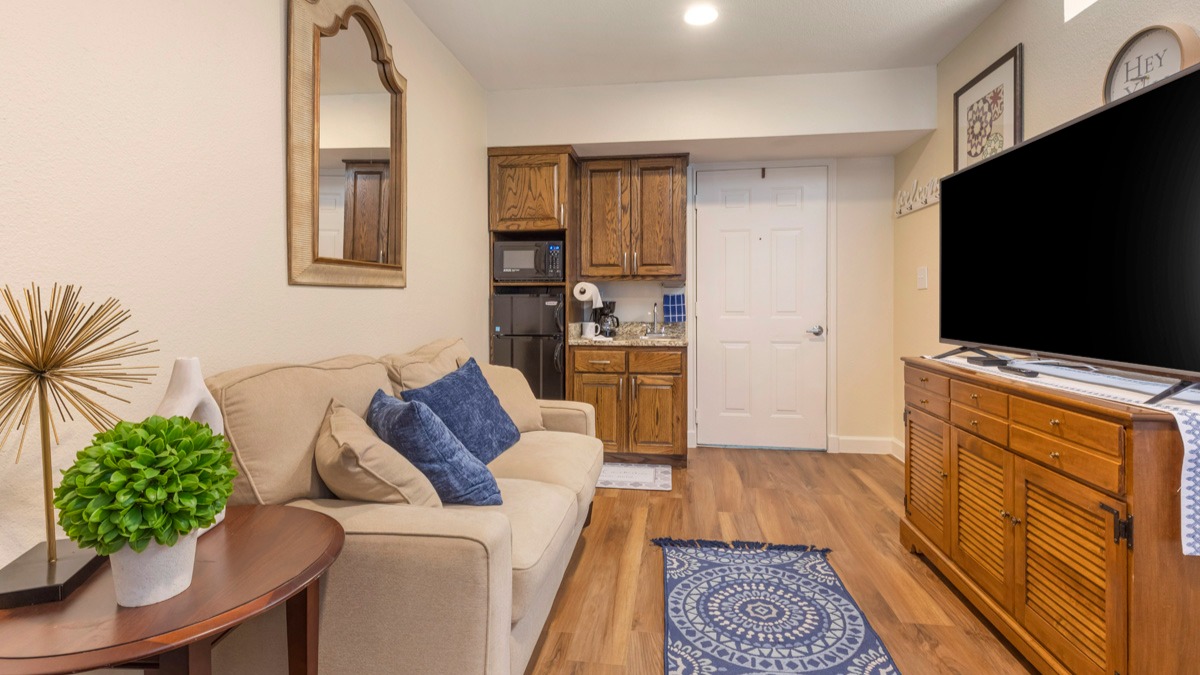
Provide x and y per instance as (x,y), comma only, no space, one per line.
(743,608)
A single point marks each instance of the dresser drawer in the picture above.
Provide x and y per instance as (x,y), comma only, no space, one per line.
(657,363)
(980,423)
(1089,432)
(987,400)
(598,361)
(1103,471)
(923,400)
(923,379)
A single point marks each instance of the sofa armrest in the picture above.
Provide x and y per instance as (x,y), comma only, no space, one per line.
(422,590)
(573,416)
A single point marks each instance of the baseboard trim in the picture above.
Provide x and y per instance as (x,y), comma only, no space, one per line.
(861,445)
(898,449)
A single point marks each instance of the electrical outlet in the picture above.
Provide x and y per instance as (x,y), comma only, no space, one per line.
(922,278)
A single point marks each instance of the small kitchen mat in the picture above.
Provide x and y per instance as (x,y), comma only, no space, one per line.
(635,477)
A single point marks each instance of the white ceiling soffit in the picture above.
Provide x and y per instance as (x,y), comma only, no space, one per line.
(522,44)
(712,150)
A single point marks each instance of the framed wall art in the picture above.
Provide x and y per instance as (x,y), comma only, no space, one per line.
(987,111)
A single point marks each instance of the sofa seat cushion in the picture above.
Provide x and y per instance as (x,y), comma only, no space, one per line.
(273,414)
(542,517)
(561,458)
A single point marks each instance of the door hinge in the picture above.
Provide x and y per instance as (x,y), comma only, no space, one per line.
(1122,529)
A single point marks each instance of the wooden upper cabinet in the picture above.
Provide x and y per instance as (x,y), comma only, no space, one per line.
(530,192)
(1071,577)
(365,236)
(633,217)
(604,218)
(659,221)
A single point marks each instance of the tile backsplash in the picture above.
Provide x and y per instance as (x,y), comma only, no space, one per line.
(636,298)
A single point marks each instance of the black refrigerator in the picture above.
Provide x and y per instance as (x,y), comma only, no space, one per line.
(527,334)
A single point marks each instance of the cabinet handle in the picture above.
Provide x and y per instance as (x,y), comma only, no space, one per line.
(562,213)
(634,382)
(1055,422)
(1015,521)
(924,401)
(1055,455)
(1005,514)
(635,265)
(945,475)
(620,387)
(922,379)
(974,397)
(625,262)
(975,423)
(602,363)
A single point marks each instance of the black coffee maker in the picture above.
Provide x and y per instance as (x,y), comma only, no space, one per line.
(607,319)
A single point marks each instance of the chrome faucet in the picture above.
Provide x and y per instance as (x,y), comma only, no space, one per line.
(656,330)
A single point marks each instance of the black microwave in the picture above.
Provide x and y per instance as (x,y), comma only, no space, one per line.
(527,261)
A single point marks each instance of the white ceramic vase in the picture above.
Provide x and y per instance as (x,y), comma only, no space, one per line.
(156,574)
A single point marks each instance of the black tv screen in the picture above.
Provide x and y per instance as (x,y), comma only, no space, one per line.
(1085,241)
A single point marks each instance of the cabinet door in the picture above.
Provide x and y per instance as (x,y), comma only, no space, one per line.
(604,218)
(528,192)
(982,523)
(658,222)
(1072,583)
(656,403)
(925,473)
(365,235)
(606,394)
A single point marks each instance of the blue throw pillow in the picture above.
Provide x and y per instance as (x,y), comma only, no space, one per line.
(421,437)
(470,410)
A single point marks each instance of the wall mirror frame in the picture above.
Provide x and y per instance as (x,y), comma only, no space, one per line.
(308,22)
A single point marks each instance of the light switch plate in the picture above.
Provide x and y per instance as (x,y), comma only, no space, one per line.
(922,278)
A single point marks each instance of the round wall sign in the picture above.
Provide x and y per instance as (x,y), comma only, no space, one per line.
(1151,55)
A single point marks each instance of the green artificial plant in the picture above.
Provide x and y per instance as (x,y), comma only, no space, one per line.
(157,479)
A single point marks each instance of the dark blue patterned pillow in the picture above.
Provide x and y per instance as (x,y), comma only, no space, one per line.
(470,410)
(420,436)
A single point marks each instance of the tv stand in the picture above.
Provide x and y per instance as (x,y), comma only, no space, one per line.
(1173,390)
(984,358)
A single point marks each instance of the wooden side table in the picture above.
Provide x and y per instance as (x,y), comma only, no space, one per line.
(259,557)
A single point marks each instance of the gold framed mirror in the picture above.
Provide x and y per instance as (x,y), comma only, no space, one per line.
(346,166)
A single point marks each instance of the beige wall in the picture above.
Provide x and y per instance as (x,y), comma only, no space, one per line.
(1065,65)
(143,157)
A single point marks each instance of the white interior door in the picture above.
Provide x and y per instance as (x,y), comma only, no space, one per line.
(761,243)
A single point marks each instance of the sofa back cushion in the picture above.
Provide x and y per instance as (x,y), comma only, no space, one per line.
(425,365)
(517,399)
(273,413)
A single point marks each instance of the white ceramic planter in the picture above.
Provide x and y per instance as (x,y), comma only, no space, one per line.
(156,574)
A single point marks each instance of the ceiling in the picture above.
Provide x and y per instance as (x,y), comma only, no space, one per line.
(523,44)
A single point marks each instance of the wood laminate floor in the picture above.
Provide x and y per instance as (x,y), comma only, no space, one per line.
(608,617)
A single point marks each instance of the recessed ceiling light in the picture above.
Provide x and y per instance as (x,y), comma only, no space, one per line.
(700,15)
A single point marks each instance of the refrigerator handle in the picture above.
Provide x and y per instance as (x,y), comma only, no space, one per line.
(558,356)
(560,313)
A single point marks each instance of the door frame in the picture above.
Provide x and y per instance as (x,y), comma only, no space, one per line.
(831,437)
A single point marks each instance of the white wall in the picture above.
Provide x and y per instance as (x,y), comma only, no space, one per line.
(143,157)
(1065,66)
(752,107)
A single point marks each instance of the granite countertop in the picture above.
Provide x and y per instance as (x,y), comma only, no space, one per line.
(630,335)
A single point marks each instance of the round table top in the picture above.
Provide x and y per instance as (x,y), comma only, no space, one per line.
(256,559)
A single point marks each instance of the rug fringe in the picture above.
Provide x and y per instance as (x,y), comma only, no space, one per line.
(737,545)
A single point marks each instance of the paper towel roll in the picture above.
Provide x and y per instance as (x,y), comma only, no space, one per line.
(586,292)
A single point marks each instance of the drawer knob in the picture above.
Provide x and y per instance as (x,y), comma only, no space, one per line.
(924,401)
(974,423)
(1005,514)
(945,475)
(1055,422)
(974,397)
(1015,521)
(1055,455)
(922,379)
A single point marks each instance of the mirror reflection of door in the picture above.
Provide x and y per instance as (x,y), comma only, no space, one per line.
(355,131)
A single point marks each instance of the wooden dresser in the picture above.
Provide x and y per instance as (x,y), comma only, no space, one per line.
(1056,515)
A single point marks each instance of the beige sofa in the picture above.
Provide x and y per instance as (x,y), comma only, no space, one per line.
(453,590)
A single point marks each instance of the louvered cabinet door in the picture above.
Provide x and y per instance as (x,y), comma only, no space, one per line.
(925,472)
(1072,582)
(981,514)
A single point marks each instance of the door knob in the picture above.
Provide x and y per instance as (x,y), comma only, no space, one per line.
(817,330)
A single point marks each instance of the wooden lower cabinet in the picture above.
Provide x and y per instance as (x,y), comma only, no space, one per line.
(1038,536)
(640,397)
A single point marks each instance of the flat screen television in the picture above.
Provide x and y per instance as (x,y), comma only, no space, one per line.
(1084,242)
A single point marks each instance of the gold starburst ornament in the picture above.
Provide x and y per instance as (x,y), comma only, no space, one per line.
(63,355)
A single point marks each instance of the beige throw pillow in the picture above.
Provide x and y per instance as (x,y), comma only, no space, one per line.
(425,365)
(358,466)
(517,399)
